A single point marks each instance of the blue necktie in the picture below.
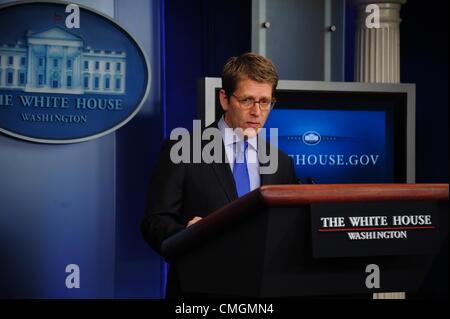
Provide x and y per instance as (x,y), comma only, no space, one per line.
(240,171)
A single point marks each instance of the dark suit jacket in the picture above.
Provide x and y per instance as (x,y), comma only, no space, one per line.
(179,192)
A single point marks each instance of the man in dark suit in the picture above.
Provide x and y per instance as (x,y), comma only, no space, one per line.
(182,193)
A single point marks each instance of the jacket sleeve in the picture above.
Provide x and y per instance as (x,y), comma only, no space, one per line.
(164,200)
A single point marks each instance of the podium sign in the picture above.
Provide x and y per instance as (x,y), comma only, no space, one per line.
(317,240)
(374,229)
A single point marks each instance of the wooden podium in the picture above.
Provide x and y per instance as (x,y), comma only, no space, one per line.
(317,240)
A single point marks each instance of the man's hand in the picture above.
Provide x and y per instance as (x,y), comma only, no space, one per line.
(193,221)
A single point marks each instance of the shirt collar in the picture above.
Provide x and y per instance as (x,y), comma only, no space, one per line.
(233,137)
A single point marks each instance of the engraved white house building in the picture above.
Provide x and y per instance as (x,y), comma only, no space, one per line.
(57,61)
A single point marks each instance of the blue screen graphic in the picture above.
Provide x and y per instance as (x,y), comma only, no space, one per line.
(336,146)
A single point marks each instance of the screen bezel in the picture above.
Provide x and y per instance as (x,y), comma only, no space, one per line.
(365,96)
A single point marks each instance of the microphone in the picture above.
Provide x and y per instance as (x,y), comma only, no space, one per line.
(311,180)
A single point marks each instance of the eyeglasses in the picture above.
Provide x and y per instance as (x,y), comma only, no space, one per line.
(264,104)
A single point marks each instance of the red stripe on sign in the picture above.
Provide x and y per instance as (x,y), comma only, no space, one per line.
(386,228)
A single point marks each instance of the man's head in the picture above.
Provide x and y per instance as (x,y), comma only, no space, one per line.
(246,79)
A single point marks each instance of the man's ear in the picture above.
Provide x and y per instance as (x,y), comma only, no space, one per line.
(224,102)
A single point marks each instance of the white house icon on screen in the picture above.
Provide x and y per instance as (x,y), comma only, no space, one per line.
(57,61)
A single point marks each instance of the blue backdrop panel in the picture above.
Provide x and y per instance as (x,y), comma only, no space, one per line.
(57,208)
(82,203)
(139,270)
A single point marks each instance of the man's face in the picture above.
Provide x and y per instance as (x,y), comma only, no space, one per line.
(250,120)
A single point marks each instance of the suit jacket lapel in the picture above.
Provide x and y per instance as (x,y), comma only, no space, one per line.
(266,179)
(226,179)
(224,174)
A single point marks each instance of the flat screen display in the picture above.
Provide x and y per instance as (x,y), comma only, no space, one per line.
(343,136)
(336,146)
